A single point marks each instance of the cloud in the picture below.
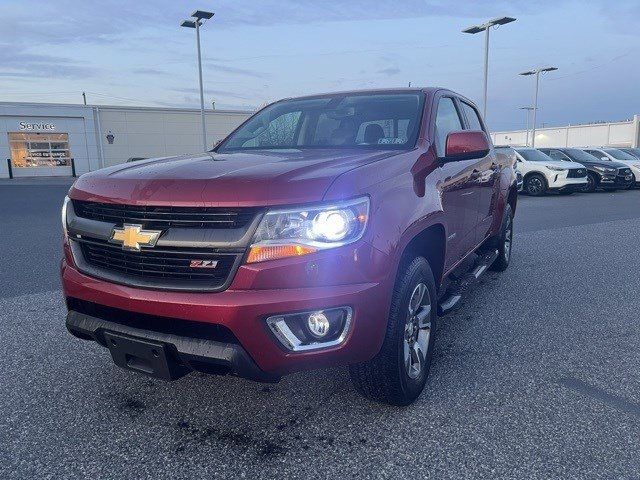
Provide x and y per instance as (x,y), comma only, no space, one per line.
(19,63)
(279,12)
(389,71)
(233,70)
(212,93)
(150,71)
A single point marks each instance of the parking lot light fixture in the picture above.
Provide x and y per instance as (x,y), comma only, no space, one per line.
(199,17)
(485,27)
(537,73)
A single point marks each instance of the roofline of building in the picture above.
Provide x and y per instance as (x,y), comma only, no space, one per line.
(562,127)
(127,107)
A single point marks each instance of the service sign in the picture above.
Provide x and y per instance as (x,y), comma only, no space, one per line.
(36,126)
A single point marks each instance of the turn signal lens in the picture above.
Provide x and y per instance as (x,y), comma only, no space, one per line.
(261,253)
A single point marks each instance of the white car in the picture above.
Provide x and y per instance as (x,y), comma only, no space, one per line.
(617,155)
(542,173)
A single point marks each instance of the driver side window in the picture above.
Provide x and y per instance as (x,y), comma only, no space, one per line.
(447,121)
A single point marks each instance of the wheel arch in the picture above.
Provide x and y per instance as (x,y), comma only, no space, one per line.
(512,198)
(429,243)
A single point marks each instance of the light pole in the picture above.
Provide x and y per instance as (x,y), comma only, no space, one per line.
(527,110)
(537,73)
(199,17)
(485,27)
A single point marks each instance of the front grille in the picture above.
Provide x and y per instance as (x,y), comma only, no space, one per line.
(161,218)
(577,173)
(162,263)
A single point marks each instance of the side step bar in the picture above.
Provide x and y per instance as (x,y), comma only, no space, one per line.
(457,288)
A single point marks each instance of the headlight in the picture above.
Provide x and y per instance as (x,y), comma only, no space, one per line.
(555,169)
(605,169)
(64,216)
(300,231)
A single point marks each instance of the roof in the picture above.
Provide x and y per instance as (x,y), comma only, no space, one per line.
(127,107)
(371,91)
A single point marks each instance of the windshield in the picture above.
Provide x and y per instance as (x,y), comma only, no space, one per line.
(633,151)
(620,155)
(380,121)
(533,155)
(580,155)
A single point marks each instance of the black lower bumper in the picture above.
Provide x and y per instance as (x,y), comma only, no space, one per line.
(615,182)
(165,355)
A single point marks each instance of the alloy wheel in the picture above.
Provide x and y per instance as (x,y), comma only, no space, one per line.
(590,186)
(535,186)
(417,331)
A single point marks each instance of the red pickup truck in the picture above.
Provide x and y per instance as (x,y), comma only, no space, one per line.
(326,230)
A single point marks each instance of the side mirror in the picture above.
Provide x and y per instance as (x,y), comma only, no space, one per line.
(466,145)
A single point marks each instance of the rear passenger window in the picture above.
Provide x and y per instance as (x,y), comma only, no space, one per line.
(472,117)
(447,121)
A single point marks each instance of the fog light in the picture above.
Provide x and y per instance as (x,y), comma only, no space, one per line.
(312,330)
(318,324)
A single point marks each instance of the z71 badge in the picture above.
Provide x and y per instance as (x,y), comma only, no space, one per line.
(203,263)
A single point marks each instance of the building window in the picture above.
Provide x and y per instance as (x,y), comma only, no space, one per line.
(39,149)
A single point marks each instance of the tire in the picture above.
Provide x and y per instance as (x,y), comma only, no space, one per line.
(503,242)
(535,185)
(592,184)
(398,373)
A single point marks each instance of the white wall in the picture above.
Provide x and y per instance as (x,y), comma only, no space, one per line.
(157,133)
(138,132)
(76,120)
(614,134)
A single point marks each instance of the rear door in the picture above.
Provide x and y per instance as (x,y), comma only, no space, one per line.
(486,175)
(458,191)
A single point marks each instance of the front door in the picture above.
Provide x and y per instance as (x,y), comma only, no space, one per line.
(458,187)
(487,177)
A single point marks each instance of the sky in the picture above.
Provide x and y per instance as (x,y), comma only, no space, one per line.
(134,53)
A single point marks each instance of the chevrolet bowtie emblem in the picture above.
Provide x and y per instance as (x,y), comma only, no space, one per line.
(132,237)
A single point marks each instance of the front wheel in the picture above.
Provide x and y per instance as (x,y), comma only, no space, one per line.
(592,183)
(398,373)
(535,185)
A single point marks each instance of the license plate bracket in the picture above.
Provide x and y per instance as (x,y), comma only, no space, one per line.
(144,356)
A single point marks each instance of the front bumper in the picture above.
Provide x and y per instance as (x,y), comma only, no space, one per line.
(242,310)
(615,181)
(183,353)
(560,181)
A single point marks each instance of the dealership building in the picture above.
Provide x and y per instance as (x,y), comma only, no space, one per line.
(611,134)
(42,139)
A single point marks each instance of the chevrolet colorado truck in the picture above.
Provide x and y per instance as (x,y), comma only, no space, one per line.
(326,230)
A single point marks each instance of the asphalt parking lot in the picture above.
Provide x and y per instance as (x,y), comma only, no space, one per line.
(536,376)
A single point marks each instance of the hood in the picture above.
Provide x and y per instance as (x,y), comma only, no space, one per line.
(622,163)
(602,163)
(234,179)
(561,164)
